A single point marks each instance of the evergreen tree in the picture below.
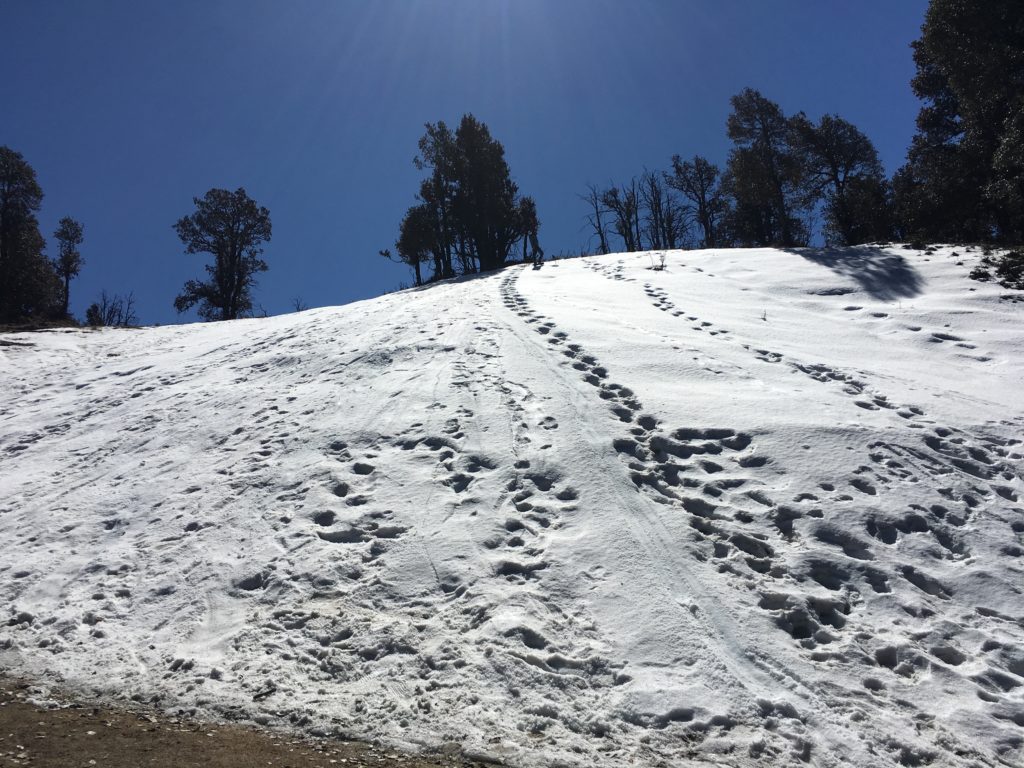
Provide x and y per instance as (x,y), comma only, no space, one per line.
(529,225)
(438,154)
(867,210)
(417,242)
(764,174)
(69,261)
(1006,187)
(963,176)
(29,287)
(232,228)
(486,205)
(841,166)
(469,215)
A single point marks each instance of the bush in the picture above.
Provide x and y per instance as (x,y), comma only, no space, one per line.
(112,311)
(1009,270)
(980,274)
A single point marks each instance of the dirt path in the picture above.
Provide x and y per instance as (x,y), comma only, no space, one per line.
(66,734)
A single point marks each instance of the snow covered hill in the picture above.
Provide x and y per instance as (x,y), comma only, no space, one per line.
(759,508)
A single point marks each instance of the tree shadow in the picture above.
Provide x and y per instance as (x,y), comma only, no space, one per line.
(884,275)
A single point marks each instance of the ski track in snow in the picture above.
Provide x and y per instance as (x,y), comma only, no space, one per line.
(741,511)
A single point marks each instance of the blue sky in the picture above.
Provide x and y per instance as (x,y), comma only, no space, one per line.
(128,110)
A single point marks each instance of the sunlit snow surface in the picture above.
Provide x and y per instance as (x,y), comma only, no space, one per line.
(761,507)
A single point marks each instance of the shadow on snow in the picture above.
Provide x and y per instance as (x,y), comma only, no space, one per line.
(882,274)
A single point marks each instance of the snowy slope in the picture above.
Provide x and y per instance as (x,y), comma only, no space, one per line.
(759,508)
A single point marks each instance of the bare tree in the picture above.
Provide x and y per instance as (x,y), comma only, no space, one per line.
(624,206)
(652,198)
(664,217)
(698,181)
(595,218)
(112,311)
(299,305)
(676,224)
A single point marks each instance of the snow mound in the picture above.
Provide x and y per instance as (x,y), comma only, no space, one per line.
(759,507)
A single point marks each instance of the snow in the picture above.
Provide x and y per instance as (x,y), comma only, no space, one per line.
(761,507)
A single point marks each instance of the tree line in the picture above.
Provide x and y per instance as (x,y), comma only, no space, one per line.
(34,289)
(780,172)
(32,286)
(963,181)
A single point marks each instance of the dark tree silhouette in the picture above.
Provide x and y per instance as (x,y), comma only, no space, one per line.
(842,167)
(596,218)
(469,215)
(418,243)
(624,206)
(29,287)
(486,204)
(698,181)
(112,311)
(529,226)
(764,175)
(438,154)
(1006,188)
(230,227)
(69,261)
(664,220)
(964,176)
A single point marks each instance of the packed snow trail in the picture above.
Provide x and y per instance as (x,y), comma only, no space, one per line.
(758,508)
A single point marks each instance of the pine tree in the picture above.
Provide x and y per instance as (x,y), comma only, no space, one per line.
(1006,187)
(529,225)
(417,242)
(963,176)
(29,288)
(764,174)
(438,154)
(469,215)
(69,261)
(486,205)
(232,228)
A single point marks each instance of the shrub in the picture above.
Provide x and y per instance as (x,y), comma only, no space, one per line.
(1009,270)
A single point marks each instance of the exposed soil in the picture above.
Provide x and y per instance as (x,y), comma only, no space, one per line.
(66,734)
